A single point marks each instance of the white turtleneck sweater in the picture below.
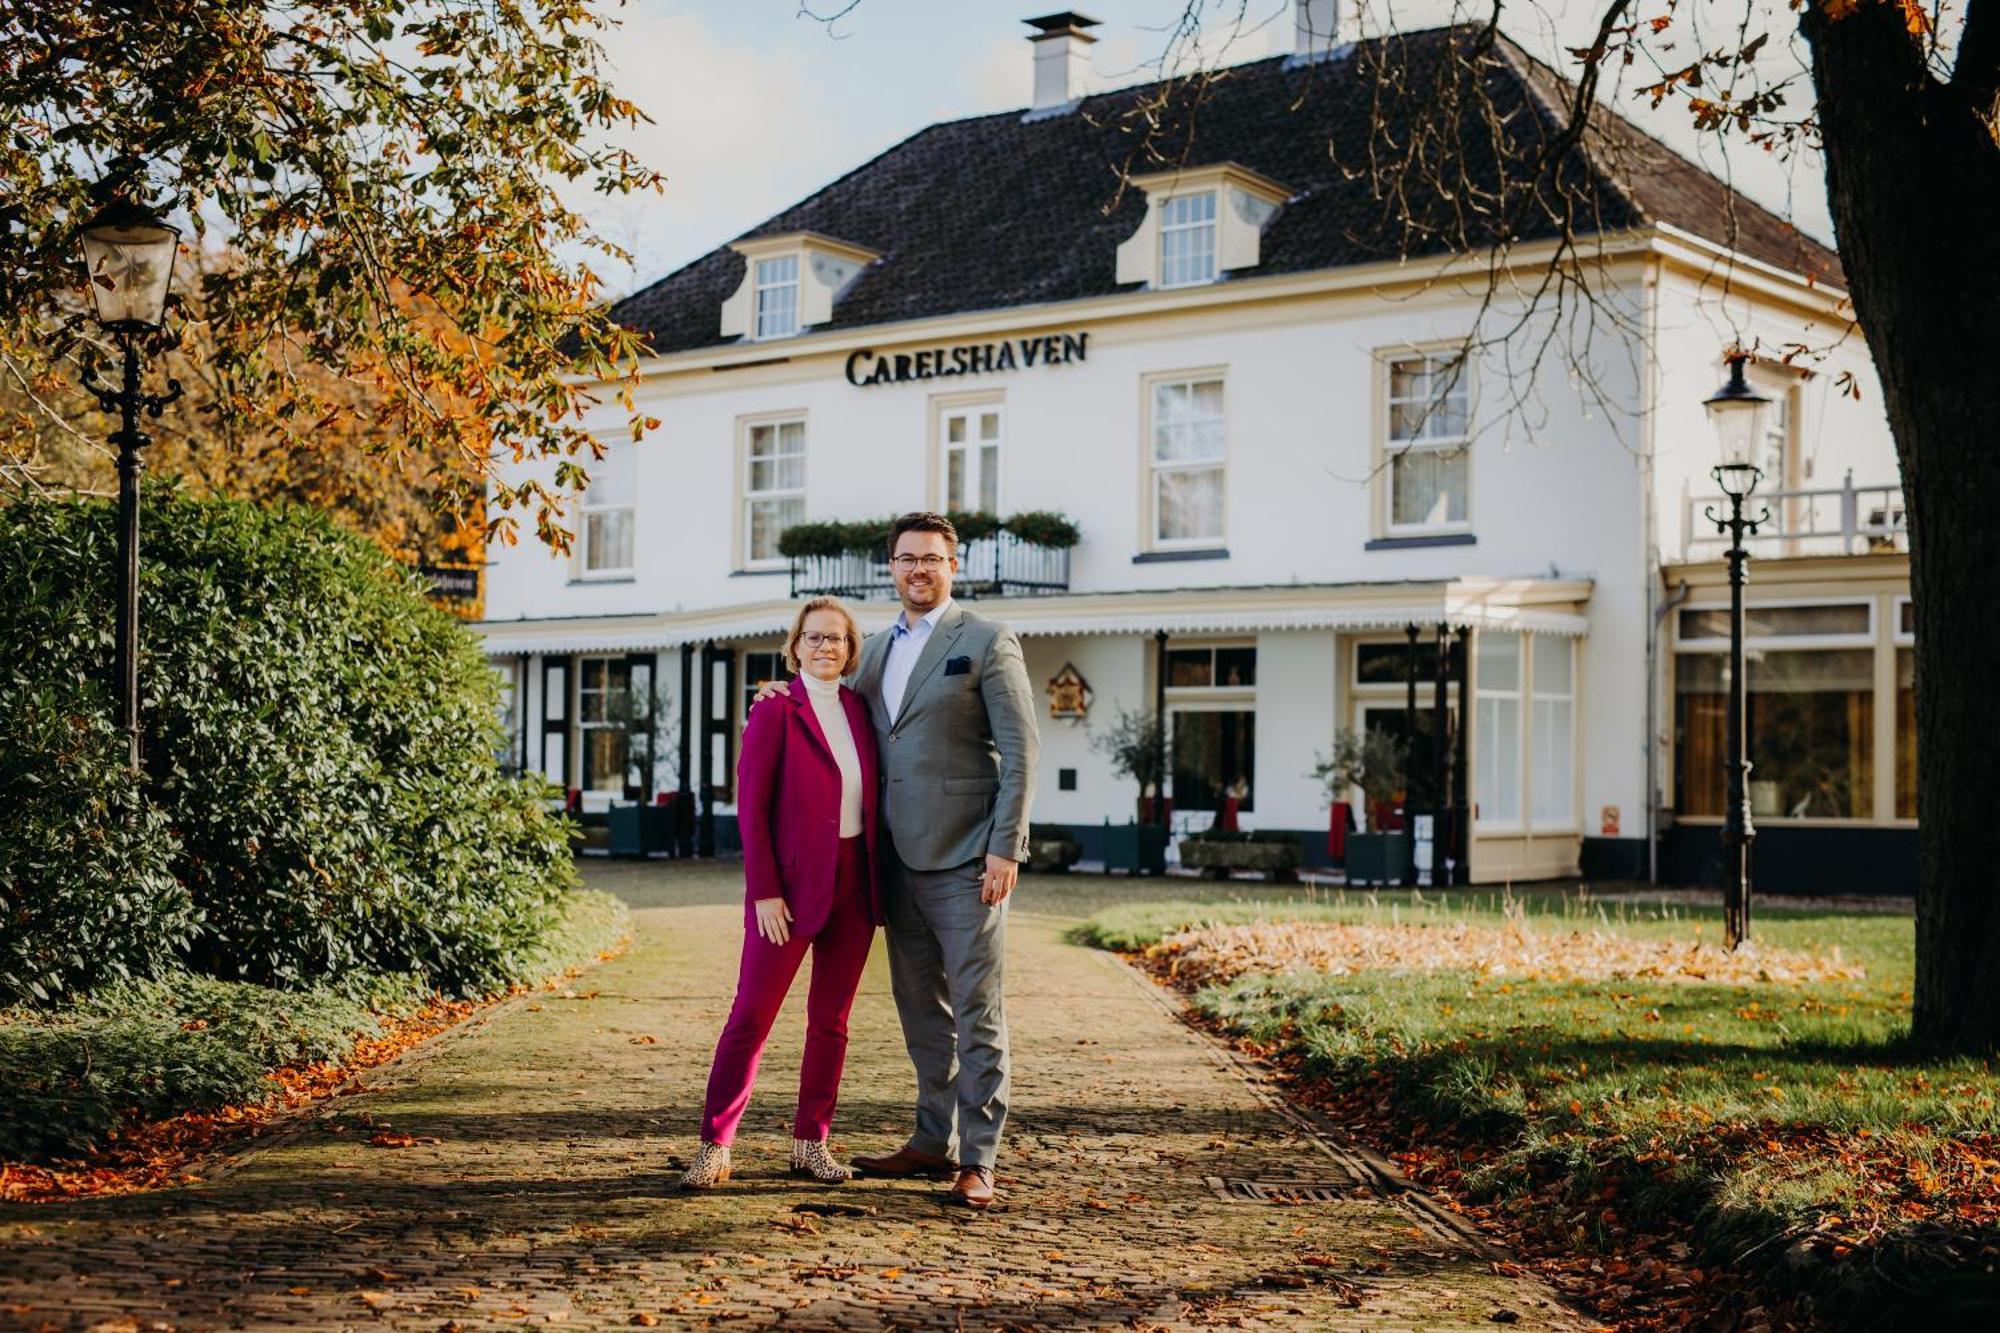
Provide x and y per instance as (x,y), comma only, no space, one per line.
(825,698)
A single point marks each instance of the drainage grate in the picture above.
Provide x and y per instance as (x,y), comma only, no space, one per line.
(1280,1191)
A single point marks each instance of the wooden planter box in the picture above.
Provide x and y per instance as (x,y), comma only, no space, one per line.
(1378,858)
(1137,849)
(1279,860)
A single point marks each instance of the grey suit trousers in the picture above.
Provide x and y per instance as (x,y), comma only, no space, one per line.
(945,964)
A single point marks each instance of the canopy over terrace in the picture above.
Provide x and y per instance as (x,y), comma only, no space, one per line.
(1539,605)
(1437,616)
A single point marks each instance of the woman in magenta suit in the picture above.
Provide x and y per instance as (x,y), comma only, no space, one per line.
(805,800)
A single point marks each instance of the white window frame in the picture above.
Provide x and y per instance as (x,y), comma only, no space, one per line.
(1720,643)
(1389,449)
(1568,820)
(1153,467)
(1213,691)
(1482,691)
(592,506)
(760,285)
(973,446)
(746,497)
(1169,226)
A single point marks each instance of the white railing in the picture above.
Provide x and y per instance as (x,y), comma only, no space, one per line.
(1842,520)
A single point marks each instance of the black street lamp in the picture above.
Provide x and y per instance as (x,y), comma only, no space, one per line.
(1737,412)
(128,253)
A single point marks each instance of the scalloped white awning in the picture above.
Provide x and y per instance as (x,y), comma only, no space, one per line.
(1543,606)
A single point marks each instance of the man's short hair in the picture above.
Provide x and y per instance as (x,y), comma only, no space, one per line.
(923,520)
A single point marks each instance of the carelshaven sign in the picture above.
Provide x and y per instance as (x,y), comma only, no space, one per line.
(1052,349)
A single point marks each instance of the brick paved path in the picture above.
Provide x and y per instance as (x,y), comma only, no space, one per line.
(537,1192)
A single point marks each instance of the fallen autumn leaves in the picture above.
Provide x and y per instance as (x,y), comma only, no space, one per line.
(164,1152)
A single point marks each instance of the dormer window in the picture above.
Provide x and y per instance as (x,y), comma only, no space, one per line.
(790,283)
(1187,239)
(778,297)
(1201,223)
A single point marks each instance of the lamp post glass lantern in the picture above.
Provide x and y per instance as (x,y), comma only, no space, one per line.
(128,255)
(1737,412)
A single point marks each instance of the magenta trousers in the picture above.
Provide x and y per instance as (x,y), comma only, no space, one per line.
(840,951)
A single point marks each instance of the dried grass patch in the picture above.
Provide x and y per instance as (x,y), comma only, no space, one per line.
(1216,954)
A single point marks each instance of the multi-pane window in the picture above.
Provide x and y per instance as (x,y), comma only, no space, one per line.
(778,296)
(774,486)
(1187,461)
(1212,726)
(1810,711)
(1551,728)
(1496,778)
(1524,731)
(604,718)
(758,668)
(606,539)
(1211,668)
(1811,716)
(1389,663)
(1429,424)
(972,459)
(1187,239)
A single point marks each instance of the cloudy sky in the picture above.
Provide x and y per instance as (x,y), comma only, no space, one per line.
(756,103)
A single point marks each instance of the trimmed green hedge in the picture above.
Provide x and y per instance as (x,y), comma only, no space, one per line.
(320,795)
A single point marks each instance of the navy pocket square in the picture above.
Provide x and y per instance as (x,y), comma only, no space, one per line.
(957,666)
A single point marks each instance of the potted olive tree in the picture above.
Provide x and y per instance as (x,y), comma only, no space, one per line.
(1376,762)
(1136,745)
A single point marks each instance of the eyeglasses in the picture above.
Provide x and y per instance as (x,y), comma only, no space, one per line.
(930,564)
(812,638)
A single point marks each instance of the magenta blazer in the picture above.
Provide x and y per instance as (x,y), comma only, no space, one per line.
(788,807)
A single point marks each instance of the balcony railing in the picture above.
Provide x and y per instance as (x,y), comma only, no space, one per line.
(1842,520)
(998,566)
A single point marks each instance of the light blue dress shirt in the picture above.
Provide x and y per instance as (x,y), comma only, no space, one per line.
(906,645)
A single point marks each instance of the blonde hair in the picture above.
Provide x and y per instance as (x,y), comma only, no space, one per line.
(837,606)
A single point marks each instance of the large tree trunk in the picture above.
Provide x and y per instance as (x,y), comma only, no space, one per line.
(1913,175)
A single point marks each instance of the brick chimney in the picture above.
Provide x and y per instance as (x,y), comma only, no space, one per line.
(1062,59)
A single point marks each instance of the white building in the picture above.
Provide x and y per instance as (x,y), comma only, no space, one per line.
(1278,475)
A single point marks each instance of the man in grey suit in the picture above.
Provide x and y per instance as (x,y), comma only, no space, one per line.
(955,726)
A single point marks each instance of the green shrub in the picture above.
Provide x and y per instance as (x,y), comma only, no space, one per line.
(870,536)
(151,1049)
(141,1050)
(87,888)
(1044,528)
(319,740)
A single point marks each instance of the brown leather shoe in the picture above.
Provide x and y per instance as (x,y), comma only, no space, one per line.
(974,1187)
(907,1161)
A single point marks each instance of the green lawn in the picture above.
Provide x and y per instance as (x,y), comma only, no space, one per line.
(1779,1122)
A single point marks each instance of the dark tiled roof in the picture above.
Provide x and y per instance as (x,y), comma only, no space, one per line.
(993,212)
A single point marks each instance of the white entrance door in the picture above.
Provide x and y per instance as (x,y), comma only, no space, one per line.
(971,464)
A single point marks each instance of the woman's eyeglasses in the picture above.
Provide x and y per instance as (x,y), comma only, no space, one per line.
(930,564)
(813,638)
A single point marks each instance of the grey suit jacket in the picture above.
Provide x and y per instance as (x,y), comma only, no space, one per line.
(958,762)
